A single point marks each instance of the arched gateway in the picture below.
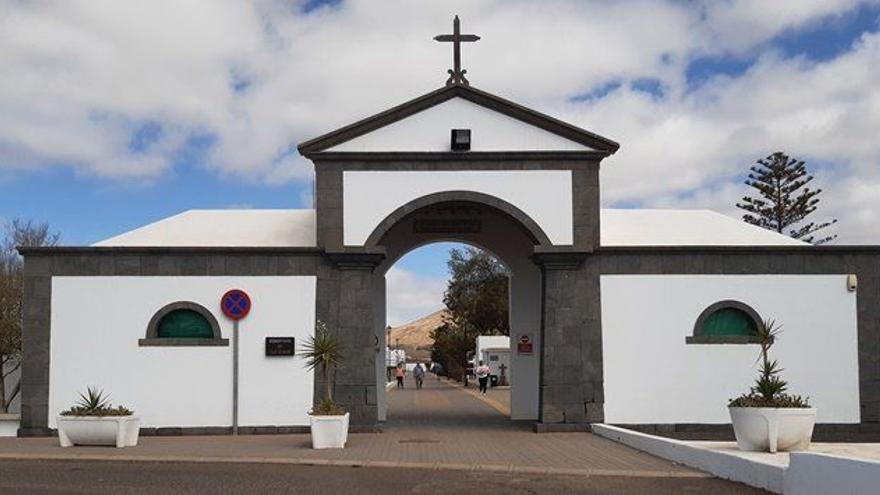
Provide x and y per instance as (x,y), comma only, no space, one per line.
(524,186)
(617,302)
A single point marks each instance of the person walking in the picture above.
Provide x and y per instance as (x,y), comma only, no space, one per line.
(399,374)
(419,375)
(482,373)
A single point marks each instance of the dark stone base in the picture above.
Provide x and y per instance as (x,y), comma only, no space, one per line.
(36,432)
(562,427)
(825,432)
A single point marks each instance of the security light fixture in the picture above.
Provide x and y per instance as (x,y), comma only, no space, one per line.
(461,140)
(852,282)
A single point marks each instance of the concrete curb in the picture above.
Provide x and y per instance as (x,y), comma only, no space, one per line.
(294,461)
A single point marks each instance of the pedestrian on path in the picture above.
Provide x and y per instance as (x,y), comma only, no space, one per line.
(399,374)
(482,373)
(419,375)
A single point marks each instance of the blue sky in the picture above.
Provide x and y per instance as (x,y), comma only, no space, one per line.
(113,124)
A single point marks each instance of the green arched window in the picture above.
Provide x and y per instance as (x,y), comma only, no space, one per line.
(184,324)
(726,322)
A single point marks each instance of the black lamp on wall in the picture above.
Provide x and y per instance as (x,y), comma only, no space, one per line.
(461,139)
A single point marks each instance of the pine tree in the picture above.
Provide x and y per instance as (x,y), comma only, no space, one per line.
(785,201)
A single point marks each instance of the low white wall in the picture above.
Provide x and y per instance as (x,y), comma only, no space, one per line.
(9,425)
(751,471)
(544,195)
(652,376)
(96,323)
(819,474)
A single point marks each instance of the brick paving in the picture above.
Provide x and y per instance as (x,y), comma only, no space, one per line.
(439,427)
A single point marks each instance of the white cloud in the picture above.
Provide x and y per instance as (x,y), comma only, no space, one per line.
(83,78)
(411,295)
(825,113)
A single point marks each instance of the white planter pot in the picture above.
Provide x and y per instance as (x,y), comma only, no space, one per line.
(329,432)
(768,429)
(121,431)
(9,425)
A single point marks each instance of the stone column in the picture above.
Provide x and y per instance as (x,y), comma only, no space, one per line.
(347,293)
(571,351)
(37,303)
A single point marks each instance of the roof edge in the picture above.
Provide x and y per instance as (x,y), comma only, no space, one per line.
(148,250)
(513,110)
(376,121)
(743,249)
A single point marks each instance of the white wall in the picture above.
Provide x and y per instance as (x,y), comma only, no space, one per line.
(430,130)
(96,323)
(544,195)
(652,376)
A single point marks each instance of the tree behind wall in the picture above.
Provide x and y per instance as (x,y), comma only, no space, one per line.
(784,201)
(476,298)
(25,234)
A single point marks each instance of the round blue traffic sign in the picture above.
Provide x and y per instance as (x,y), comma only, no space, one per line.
(235,304)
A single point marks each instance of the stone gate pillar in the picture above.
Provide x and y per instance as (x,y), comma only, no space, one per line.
(571,393)
(345,305)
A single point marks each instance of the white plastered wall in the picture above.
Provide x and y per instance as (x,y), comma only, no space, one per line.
(652,376)
(544,195)
(430,130)
(96,323)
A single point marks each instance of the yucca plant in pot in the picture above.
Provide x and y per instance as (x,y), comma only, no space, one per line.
(767,418)
(94,421)
(329,421)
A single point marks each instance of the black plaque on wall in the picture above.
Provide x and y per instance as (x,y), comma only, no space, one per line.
(280,346)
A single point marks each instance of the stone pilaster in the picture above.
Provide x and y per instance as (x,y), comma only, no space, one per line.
(571,355)
(35,336)
(347,291)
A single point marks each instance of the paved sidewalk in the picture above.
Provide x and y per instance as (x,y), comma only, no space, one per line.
(439,427)
(496,397)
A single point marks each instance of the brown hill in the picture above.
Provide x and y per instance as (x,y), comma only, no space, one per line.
(415,337)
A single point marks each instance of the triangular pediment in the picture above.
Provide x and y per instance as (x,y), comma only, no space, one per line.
(423,125)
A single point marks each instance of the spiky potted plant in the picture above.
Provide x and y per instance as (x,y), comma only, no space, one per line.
(329,421)
(767,418)
(94,421)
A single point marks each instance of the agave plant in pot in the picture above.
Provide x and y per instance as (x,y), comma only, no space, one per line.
(329,421)
(94,421)
(767,418)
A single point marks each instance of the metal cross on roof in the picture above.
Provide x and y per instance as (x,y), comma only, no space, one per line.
(456,74)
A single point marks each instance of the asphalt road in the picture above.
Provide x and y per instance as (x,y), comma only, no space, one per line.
(73,477)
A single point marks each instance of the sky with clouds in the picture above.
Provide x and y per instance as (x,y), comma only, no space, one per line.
(117,113)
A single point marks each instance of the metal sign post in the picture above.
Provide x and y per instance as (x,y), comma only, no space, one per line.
(235,377)
(235,304)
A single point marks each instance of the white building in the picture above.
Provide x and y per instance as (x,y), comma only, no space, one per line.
(635,317)
(494,351)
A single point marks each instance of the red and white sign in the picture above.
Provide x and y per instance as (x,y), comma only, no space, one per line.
(525,345)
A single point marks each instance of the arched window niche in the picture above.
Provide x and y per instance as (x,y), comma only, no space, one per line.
(727,322)
(183,323)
